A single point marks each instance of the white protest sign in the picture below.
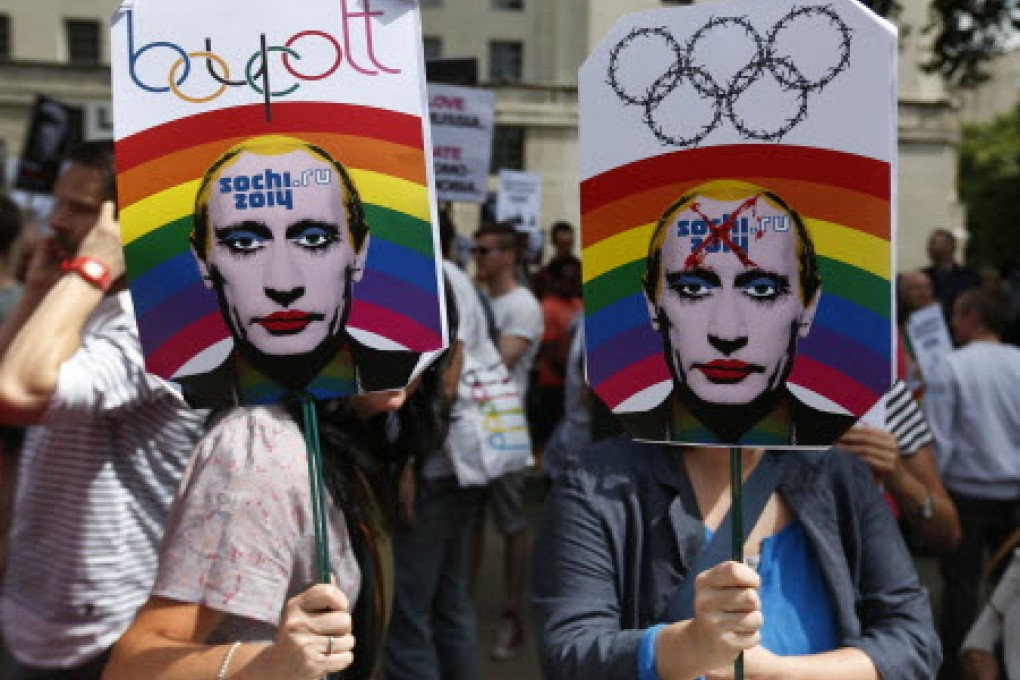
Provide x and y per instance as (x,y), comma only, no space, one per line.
(520,201)
(462,119)
(250,133)
(929,337)
(738,165)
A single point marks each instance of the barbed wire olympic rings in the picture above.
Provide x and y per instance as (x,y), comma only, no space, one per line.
(724,95)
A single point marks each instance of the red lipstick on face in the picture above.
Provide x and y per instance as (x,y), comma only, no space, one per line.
(287,323)
(727,371)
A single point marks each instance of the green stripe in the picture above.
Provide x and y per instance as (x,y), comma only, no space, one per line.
(400,228)
(614,285)
(856,285)
(158,245)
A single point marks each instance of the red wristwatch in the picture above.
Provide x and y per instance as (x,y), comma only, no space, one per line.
(90,269)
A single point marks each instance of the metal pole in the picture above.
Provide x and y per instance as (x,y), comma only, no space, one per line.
(737,529)
(317,487)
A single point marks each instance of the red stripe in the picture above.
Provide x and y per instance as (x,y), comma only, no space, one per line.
(833,385)
(628,381)
(250,121)
(186,343)
(396,327)
(833,168)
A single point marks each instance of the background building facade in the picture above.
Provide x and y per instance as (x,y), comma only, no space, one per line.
(528,52)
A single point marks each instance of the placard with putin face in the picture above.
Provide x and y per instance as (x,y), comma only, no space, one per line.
(738,165)
(276,195)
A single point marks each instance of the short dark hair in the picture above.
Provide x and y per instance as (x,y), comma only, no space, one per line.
(558,266)
(357,224)
(509,237)
(945,233)
(990,308)
(560,226)
(98,156)
(10,223)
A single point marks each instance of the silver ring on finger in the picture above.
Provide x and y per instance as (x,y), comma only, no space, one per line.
(329,645)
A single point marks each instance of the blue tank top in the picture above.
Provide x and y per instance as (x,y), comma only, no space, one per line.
(800,617)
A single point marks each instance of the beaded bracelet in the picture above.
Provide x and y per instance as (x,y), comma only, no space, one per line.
(222,675)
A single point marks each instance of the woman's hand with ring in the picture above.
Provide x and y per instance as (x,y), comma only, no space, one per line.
(314,637)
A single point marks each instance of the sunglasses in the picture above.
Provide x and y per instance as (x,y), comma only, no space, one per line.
(484,250)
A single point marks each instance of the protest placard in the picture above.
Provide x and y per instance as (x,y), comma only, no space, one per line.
(462,119)
(277,195)
(929,337)
(738,164)
(519,201)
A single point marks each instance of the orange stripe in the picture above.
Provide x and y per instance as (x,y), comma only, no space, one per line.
(185,165)
(856,210)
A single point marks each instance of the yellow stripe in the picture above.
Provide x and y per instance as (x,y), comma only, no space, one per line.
(615,251)
(148,214)
(851,247)
(394,193)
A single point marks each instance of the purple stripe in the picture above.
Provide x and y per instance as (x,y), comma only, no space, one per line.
(622,315)
(619,352)
(399,296)
(163,281)
(843,354)
(162,321)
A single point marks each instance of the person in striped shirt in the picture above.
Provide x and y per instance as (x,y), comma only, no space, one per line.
(107,445)
(901,456)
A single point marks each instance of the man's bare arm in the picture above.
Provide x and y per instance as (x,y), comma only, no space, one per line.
(46,328)
(512,348)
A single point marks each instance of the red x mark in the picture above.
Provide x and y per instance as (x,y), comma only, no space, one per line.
(720,234)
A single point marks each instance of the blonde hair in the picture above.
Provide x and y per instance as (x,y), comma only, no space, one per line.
(730,190)
(274,145)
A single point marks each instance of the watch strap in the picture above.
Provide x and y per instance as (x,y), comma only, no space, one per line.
(89,268)
(927,509)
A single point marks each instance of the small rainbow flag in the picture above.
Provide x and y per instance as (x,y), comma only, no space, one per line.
(845,201)
(159,170)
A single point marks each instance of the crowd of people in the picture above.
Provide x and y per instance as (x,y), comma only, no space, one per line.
(146,538)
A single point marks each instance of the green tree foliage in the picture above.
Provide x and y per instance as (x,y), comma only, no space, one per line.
(967,34)
(989,179)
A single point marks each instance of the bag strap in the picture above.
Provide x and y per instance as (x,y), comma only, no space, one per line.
(490,316)
(757,490)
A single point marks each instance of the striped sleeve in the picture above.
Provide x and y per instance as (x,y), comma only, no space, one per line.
(905,420)
(106,376)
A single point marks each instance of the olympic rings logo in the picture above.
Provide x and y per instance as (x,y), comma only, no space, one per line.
(256,72)
(723,93)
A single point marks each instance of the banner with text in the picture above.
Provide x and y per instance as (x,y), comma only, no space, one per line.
(277,198)
(462,119)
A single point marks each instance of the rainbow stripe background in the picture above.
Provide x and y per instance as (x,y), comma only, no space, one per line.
(846,202)
(158,175)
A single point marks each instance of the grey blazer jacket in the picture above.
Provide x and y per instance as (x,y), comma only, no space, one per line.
(621,529)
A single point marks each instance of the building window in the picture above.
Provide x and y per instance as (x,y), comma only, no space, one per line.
(508,4)
(507,148)
(5,37)
(83,42)
(433,47)
(505,60)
